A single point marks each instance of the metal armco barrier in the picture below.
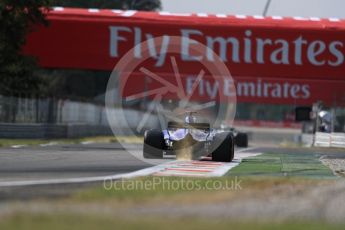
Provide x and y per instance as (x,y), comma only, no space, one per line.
(338,140)
(322,139)
(329,140)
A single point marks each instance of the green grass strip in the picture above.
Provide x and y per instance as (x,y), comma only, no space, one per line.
(292,164)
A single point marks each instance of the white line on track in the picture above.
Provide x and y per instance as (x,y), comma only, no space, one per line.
(49,144)
(171,168)
(87,142)
(18,146)
(246,149)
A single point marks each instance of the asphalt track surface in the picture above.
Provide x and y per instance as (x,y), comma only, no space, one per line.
(90,160)
(66,161)
(78,161)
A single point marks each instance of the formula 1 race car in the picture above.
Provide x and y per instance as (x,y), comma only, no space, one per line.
(199,138)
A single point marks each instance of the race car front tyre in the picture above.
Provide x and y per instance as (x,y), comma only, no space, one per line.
(241,140)
(153,144)
(223,147)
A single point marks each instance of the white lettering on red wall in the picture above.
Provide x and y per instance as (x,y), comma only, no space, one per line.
(273,60)
(246,49)
(249,89)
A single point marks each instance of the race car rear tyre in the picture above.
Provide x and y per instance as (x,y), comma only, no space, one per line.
(223,147)
(153,144)
(241,140)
